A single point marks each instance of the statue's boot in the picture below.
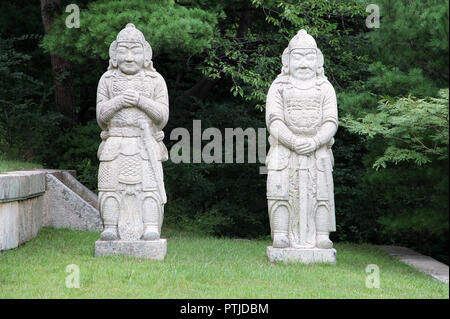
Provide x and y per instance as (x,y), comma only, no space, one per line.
(323,241)
(150,233)
(280,225)
(110,215)
(322,227)
(280,240)
(152,219)
(109,233)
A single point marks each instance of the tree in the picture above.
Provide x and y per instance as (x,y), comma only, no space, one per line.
(253,62)
(403,116)
(61,68)
(417,29)
(414,129)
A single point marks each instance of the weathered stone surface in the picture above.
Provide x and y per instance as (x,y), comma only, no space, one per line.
(132,110)
(148,249)
(9,225)
(66,209)
(30,218)
(301,116)
(21,205)
(301,255)
(70,181)
(20,221)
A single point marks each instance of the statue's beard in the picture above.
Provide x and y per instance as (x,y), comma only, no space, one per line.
(130,69)
(304,74)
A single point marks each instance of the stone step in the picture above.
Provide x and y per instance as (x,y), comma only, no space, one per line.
(67,209)
(68,178)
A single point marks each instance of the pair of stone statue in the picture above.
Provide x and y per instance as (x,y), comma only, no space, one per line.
(301,116)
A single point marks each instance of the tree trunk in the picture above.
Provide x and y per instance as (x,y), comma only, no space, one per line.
(61,68)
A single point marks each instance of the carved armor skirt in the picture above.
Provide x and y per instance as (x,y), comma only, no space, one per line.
(124,161)
(126,174)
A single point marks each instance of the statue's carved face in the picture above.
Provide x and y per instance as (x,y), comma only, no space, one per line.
(130,57)
(303,63)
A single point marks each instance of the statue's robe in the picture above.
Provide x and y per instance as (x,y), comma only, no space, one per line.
(300,182)
(130,157)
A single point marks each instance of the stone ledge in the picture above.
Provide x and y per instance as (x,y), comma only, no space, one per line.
(20,185)
(152,249)
(301,255)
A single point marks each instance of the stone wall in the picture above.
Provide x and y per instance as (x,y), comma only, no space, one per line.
(30,200)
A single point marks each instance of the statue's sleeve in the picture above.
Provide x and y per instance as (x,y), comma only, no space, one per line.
(330,116)
(106,107)
(157,108)
(275,117)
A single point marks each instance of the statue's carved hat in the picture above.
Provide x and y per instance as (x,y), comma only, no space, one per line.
(302,40)
(131,34)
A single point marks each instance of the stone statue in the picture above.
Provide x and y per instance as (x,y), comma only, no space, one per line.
(132,109)
(301,116)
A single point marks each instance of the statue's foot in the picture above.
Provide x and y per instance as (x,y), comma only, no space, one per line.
(280,241)
(322,241)
(150,235)
(110,233)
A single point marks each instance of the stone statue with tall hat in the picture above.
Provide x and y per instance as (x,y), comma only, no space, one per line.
(302,118)
(132,110)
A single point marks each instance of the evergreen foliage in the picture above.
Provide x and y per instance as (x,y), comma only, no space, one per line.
(23,115)
(414,32)
(169,27)
(403,117)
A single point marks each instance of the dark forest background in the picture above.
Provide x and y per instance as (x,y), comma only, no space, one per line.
(218,59)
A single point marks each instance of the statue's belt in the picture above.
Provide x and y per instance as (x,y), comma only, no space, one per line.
(125,132)
(303,131)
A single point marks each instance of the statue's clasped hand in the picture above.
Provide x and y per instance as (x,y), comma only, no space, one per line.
(304,146)
(130,98)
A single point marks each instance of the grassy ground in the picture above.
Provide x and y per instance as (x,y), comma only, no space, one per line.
(199,267)
(11,165)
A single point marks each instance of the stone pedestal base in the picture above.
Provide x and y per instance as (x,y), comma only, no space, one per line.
(151,249)
(302,255)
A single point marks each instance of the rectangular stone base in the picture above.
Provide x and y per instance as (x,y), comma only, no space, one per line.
(302,255)
(151,249)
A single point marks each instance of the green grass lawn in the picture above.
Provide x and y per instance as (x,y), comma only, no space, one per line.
(201,267)
(12,165)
